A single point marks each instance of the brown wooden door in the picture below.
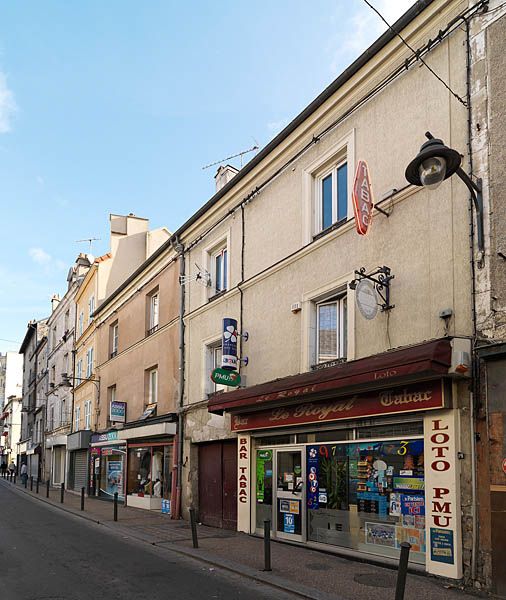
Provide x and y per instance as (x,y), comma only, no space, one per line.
(218,484)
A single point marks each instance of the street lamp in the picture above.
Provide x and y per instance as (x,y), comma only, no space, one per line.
(436,162)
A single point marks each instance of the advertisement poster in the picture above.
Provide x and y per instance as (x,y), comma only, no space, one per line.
(263,456)
(394,507)
(380,534)
(441,545)
(288,523)
(412,504)
(312,477)
(166,507)
(415,537)
(294,507)
(284,506)
(114,476)
(409,483)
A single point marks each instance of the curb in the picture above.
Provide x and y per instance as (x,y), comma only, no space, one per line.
(200,555)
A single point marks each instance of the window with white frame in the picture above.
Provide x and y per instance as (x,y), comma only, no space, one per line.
(331,328)
(77,418)
(152,382)
(331,196)
(91,308)
(219,269)
(79,371)
(153,312)
(66,364)
(114,339)
(81,323)
(89,362)
(87,414)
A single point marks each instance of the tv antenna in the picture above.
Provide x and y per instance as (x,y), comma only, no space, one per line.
(241,154)
(90,241)
(202,276)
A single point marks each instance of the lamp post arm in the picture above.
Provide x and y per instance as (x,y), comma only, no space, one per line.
(475,189)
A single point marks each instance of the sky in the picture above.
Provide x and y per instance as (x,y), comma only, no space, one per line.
(115,107)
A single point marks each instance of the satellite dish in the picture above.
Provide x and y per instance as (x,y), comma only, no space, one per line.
(366,298)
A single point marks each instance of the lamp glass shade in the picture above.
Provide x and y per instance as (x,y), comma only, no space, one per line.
(432,172)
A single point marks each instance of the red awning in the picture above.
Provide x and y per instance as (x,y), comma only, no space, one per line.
(430,360)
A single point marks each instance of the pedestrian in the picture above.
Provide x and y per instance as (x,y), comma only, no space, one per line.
(24,473)
(12,468)
(4,468)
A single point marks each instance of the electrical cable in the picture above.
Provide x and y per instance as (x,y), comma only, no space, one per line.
(454,94)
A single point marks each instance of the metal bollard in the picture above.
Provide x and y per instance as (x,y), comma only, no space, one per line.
(193,523)
(62,493)
(37,486)
(115,506)
(267,545)
(14,478)
(403,570)
(47,488)
(82,498)
(31,483)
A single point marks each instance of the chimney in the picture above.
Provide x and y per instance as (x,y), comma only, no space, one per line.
(223,175)
(55,300)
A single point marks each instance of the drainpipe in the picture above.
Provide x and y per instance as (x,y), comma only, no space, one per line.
(179,440)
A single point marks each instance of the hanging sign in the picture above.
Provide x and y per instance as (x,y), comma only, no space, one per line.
(229,344)
(366,298)
(117,412)
(362,198)
(226,377)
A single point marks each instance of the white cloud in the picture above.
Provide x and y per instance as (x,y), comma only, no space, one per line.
(40,256)
(7,105)
(361,28)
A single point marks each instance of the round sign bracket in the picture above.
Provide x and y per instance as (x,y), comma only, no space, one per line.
(379,280)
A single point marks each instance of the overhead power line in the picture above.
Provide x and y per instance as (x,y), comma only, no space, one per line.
(418,57)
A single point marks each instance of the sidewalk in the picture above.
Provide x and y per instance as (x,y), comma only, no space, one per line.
(307,573)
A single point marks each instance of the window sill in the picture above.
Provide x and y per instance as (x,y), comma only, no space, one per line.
(328,363)
(330,229)
(151,331)
(113,354)
(217,295)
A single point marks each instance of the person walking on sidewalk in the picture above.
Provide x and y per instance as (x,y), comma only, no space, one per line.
(12,468)
(4,468)
(24,473)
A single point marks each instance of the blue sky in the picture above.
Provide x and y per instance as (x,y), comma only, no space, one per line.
(116,106)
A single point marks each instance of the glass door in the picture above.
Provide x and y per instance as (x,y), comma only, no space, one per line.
(289,504)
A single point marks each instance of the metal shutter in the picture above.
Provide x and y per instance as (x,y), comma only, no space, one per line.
(80,469)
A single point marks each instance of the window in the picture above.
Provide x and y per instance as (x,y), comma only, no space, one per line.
(77,423)
(215,357)
(67,320)
(81,323)
(87,414)
(153,312)
(63,414)
(112,393)
(152,386)
(51,419)
(66,364)
(91,308)
(331,324)
(79,371)
(332,196)
(89,362)
(114,339)
(53,374)
(219,266)
(53,338)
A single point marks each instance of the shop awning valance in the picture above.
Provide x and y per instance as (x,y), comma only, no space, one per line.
(430,360)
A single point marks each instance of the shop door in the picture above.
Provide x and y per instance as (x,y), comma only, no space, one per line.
(218,484)
(289,505)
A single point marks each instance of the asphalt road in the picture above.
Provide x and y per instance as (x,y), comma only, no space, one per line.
(48,554)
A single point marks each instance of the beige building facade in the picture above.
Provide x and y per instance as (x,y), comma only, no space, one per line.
(276,249)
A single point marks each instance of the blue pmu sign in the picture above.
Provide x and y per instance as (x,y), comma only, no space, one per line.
(229,344)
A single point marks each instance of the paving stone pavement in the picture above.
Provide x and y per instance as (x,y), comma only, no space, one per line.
(307,572)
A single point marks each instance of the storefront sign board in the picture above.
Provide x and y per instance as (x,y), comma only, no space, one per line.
(362,198)
(226,377)
(425,396)
(118,412)
(229,344)
(104,437)
(442,494)
(243,483)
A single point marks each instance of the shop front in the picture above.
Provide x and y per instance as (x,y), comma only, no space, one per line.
(107,465)
(356,459)
(77,460)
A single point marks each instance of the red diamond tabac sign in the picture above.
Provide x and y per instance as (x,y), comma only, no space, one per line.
(362,198)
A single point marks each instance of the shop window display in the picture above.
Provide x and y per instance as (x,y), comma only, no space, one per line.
(368,496)
(149,471)
(109,468)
